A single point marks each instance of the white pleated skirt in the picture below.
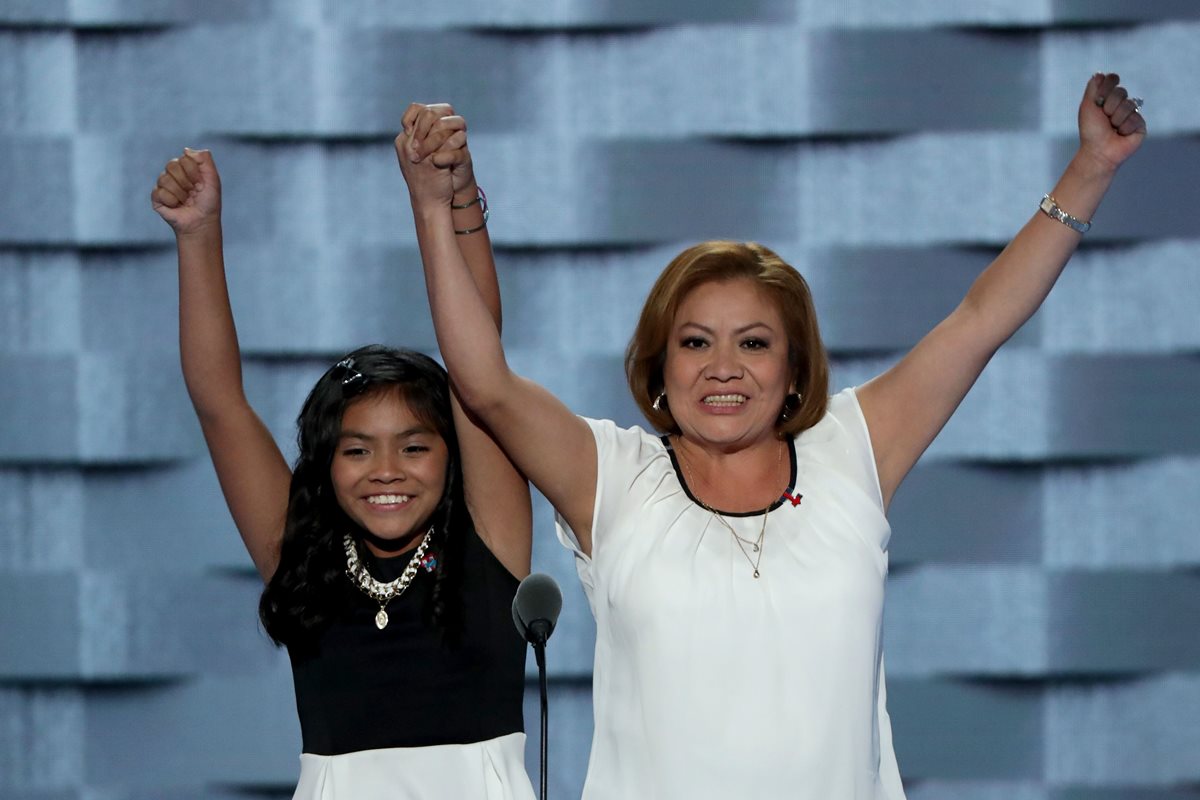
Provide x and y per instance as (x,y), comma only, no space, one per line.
(489,770)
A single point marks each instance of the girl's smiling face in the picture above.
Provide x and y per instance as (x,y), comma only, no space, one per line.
(389,470)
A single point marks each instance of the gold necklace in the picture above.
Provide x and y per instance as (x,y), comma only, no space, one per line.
(379,591)
(756,545)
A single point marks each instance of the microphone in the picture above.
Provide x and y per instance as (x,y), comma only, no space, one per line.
(536,607)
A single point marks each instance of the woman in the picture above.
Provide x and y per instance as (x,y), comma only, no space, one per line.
(392,551)
(736,564)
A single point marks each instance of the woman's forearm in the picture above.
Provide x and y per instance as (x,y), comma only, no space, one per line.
(466,327)
(1016,283)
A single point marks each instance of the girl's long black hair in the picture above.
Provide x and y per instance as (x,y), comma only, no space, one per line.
(309,588)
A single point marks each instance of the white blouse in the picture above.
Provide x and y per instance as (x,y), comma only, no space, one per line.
(710,683)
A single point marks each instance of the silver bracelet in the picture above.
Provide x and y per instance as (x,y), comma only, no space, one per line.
(478,199)
(1049,207)
(476,229)
(481,199)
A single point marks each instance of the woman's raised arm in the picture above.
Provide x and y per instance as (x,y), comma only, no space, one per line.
(496,493)
(548,443)
(252,472)
(908,405)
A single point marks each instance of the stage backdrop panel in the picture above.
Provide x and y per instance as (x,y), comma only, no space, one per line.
(1043,597)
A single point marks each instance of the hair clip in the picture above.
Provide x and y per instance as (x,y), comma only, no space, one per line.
(351,377)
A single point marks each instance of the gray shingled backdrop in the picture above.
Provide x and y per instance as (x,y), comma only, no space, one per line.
(1042,610)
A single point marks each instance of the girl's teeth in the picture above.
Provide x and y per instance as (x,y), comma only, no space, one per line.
(387,499)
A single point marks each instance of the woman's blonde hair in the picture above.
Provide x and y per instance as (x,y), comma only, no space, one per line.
(718,261)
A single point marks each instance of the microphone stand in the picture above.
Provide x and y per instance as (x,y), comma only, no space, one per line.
(535,610)
(540,632)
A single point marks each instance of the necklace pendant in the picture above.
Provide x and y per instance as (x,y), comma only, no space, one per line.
(756,573)
(756,548)
(381,619)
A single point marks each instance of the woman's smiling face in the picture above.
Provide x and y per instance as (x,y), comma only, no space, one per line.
(727,372)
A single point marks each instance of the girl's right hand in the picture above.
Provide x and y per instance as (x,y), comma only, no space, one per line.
(188,192)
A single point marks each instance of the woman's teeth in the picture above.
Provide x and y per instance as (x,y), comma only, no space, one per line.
(725,400)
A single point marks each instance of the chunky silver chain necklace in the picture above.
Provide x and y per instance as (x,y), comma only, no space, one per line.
(379,591)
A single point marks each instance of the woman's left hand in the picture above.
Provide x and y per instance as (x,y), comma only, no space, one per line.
(1111,128)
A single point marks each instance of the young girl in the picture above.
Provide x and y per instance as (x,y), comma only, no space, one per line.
(392,550)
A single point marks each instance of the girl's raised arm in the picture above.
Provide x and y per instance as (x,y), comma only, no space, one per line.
(252,472)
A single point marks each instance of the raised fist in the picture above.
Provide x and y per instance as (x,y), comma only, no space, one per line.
(1111,125)
(188,192)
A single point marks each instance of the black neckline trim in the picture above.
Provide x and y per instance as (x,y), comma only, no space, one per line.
(791,487)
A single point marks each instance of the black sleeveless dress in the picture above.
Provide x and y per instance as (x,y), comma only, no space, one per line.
(359,688)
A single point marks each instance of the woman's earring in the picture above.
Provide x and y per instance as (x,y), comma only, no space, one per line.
(659,401)
(790,404)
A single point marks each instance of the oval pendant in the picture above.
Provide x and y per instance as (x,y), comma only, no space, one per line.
(381,619)
(756,548)
(755,573)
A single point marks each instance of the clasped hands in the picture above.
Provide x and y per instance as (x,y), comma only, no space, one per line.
(433,155)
